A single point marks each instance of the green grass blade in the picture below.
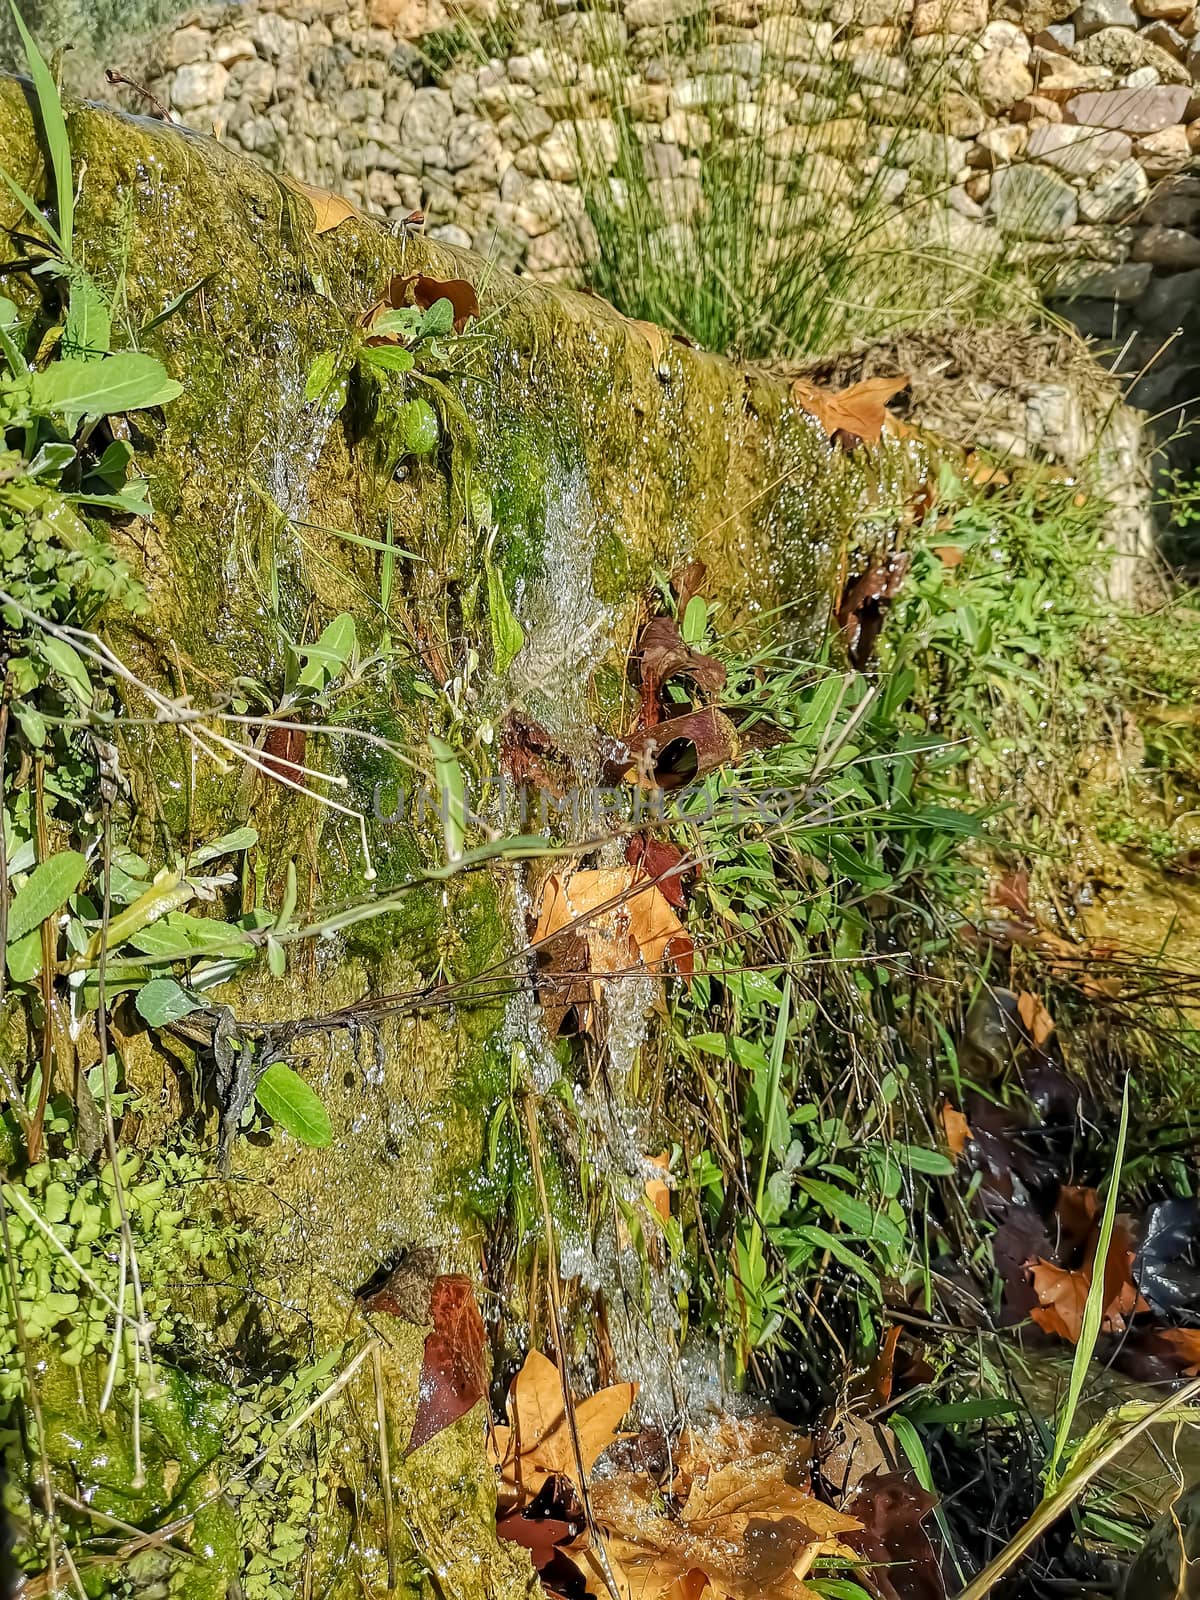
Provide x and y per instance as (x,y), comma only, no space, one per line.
(775,1072)
(32,207)
(1093,1310)
(54,128)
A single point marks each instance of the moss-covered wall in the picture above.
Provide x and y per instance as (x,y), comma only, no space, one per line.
(580,453)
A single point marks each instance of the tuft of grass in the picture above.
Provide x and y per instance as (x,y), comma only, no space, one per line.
(772,237)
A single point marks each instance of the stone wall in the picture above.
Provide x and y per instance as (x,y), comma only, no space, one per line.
(1065,139)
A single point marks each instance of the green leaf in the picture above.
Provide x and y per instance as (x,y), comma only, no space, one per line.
(88,332)
(52,460)
(390,357)
(178,936)
(66,661)
(324,660)
(321,375)
(452,796)
(855,1214)
(24,957)
(172,306)
(917,1159)
(402,321)
(33,724)
(276,957)
(438,320)
(130,381)
(9,316)
(113,466)
(508,637)
(47,890)
(288,1100)
(163,1000)
(695,620)
(54,131)
(228,844)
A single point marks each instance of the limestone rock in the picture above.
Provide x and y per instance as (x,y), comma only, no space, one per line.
(1167,38)
(1078,151)
(1094,15)
(1031,202)
(428,119)
(1122,51)
(949,16)
(1123,283)
(997,147)
(201,83)
(687,129)
(657,13)
(1164,153)
(1115,193)
(1133,110)
(1170,10)
(1002,78)
(795,38)
(185,46)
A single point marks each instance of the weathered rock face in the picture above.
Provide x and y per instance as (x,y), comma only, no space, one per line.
(575,452)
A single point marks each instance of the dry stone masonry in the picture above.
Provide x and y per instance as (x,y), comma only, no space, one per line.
(1065,137)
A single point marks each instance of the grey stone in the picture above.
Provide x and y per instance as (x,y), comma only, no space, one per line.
(1132,110)
(253,82)
(276,36)
(1032,202)
(1116,193)
(471,142)
(1167,298)
(877,67)
(1062,33)
(1122,51)
(1096,14)
(1078,151)
(202,83)
(656,13)
(931,155)
(1001,79)
(428,118)
(1176,203)
(796,38)
(1121,284)
(713,89)
(186,46)
(1172,248)
(451,233)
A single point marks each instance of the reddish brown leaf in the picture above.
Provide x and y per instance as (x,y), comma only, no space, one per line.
(530,754)
(283,751)
(426,291)
(1035,1019)
(454,1368)
(957,1130)
(856,413)
(662,654)
(1012,892)
(683,750)
(660,862)
(1062,1291)
(539,1535)
(881,1372)
(1076,1212)
(864,603)
(905,1567)
(1158,1355)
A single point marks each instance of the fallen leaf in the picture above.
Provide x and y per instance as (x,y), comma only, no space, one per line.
(957,1130)
(1062,1291)
(454,1368)
(983,473)
(530,754)
(657,338)
(330,209)
(950,555)
(661,863)
(1158,1355)
(890,1507)
(671,754)
(1035,1019)
(857,412)
(623,920)
(663,654)
(864,602)
(539,1535)
(536,1443)
(658,1191)
(427,290)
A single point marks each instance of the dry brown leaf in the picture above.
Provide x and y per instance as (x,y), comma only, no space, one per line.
(1062,1291)
(957,1130)
(629,923)
(657,338)
(536,1443)
(1035,1019)
(858,412)
(657,1191)
(330,209)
